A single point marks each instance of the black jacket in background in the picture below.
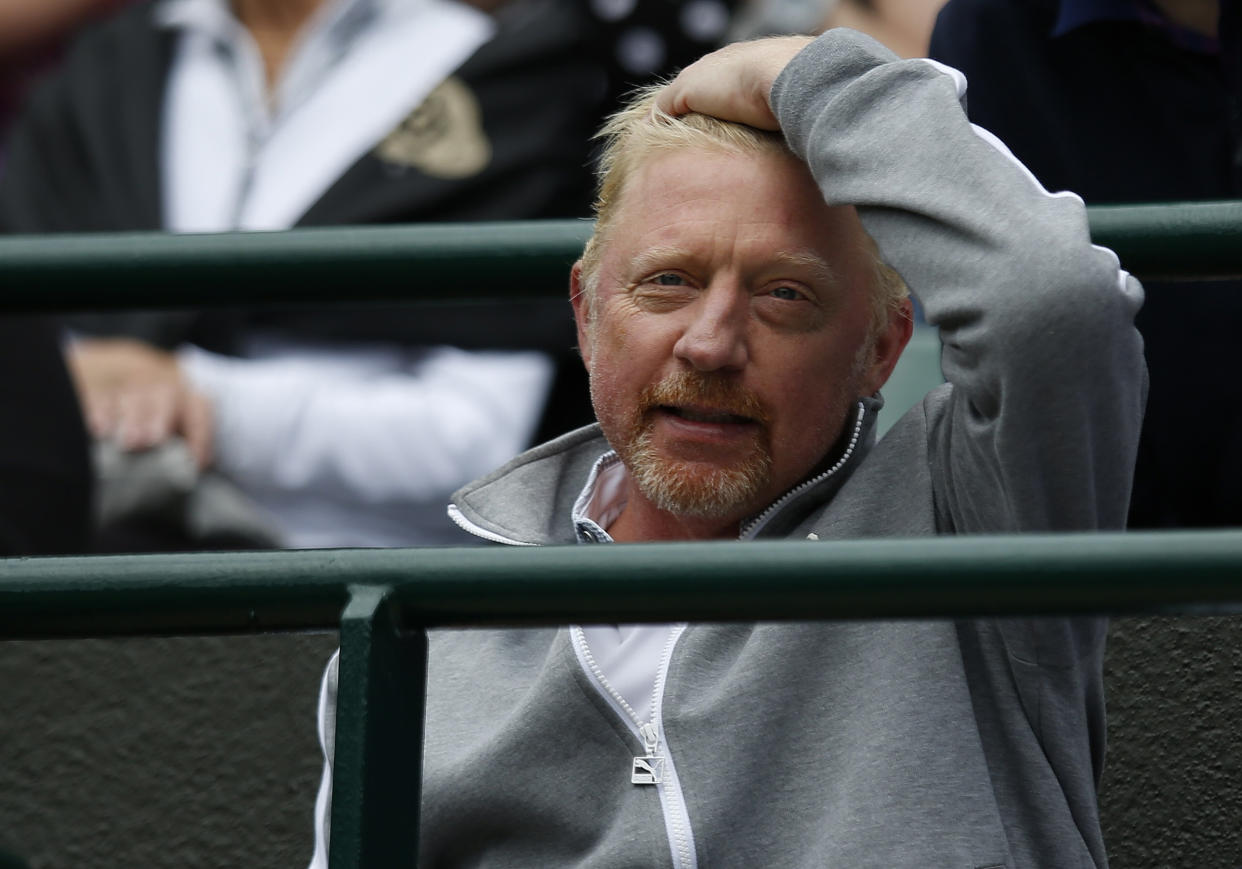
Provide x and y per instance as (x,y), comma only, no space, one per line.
(1117,112)
(45,476)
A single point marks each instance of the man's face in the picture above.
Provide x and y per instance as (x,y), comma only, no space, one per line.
(729,333)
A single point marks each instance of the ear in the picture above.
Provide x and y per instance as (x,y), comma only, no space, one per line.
(582,311)
(888,346)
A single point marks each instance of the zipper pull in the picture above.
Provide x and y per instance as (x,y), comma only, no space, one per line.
(651,737)
(649,769)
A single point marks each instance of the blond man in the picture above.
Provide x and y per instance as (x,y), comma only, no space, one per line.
(739,310)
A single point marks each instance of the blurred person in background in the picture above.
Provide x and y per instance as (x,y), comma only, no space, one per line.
(201,115)
(294,428)
(903,26)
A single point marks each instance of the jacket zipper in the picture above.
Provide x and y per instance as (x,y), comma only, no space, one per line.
(651,736)
(780,502)
(672,800)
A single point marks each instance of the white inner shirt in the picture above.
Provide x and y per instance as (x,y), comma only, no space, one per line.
(629,656)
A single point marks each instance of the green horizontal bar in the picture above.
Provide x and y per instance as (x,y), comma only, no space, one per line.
(427,262)
(456,262)
(932,577)
(1173,241)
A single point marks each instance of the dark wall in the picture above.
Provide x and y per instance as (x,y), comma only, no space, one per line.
(201,752)
(184,752)
(1172,792)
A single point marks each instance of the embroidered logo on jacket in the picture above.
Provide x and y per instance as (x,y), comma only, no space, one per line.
(443,137)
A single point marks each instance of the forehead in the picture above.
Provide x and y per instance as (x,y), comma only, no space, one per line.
(763,204)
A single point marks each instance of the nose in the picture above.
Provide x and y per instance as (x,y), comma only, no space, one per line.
(716,336)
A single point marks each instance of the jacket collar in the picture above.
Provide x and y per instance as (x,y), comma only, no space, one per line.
(530,501)
(783,514)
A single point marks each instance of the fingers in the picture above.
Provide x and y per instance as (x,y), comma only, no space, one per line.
(733,83)
(99,412)
(146,415)
(134,395)
(143,417)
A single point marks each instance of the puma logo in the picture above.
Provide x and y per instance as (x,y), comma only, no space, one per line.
(647,771)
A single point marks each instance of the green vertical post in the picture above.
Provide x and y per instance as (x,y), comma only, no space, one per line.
(377,763)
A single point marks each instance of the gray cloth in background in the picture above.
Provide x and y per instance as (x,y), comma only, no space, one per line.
(162,489)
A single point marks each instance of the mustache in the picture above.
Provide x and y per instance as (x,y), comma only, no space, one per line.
(704,389)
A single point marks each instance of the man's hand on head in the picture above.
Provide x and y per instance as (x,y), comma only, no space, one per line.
(135,394)
(733,83)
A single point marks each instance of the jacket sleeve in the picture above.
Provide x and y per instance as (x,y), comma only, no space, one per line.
(1040,427)
(82,154)
(41,185)
(392,425)
(327,742)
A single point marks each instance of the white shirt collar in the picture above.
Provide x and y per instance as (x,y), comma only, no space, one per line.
(628,656)
(602,499)
(325,40)
(235,157)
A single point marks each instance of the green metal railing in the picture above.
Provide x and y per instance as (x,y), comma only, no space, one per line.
(916,578)
(482,261)
(384,600)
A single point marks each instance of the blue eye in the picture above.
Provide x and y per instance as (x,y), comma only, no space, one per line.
(788,294)
(668,279)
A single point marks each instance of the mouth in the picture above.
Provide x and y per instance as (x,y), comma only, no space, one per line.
(706,415)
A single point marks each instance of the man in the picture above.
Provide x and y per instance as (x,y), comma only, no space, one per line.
(735,324)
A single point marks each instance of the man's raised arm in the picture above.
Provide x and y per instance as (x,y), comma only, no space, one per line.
(1040,428)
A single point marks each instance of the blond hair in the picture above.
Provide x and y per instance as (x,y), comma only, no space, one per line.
(640,130)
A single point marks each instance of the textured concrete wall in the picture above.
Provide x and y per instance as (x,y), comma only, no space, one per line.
(1172,790)
(198,752)
(182,752)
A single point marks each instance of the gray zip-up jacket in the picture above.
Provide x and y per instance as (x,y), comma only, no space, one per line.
(959,745)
